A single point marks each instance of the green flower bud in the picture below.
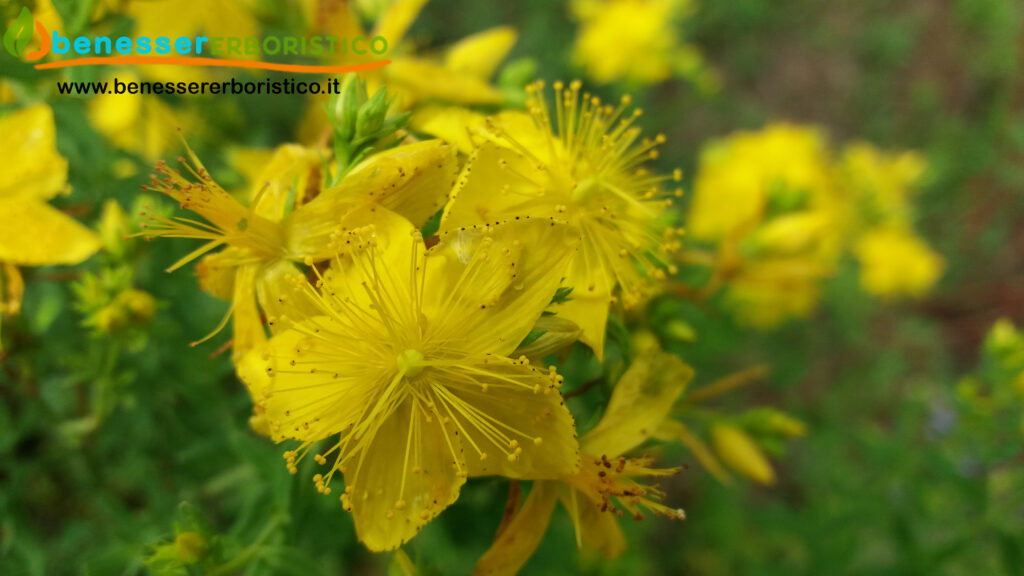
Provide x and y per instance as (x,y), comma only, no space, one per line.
(346,107)
(372,114)
(362,124)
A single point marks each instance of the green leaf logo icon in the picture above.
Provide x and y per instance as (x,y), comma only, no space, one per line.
(19,34)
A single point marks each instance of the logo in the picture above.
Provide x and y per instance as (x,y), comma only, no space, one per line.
(202,51)
(19,35)
(189,51)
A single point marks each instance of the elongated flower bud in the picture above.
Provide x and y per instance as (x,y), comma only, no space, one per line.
(740,452)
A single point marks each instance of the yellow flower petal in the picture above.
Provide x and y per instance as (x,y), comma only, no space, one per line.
(589,311)
(216,272)
(403,478)
(137,123)
(412,181)
(795,232)
(511,272)
(301,405)
(32,166)
(643,398)
(172,18)
(480,54)
(248,324)
(452,124)
(293,172)
(425,80)
(895,262)
(34,234)
(512,418)
(251,162)
(492,193)
(514,545)
(251,369)
(281,289)
(395,21)
(395,241)
(597,530)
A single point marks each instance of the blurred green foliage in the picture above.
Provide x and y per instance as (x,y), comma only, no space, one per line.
(103,438)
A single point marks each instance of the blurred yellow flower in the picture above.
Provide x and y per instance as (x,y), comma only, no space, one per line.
(129,307)
(461,75)
(289,220)
(583,162)
(172,18)
(637,41)
(763,295)
(894,262)
(744,177)
(32,233)
(768,200)
(143,125)
(406,362)
(608,484)
(880,186)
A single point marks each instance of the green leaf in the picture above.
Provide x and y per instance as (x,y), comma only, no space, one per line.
(532,337)
(432,225)
(562,295)
(19,34)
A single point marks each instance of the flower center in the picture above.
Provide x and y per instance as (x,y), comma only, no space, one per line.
(584,190)
(409,362)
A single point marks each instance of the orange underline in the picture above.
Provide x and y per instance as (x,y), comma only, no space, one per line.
(195,61)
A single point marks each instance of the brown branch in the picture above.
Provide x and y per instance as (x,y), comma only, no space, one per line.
(582,389)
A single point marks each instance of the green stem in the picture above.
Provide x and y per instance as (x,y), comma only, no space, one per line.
(239,562)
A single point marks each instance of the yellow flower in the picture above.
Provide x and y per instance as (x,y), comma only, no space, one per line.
(460,74)
(742,177)
(31,232)
(142,125)
(172,18)
(405,364)
(637,41)
(894,262)
(767,199)
(290,221)
(586,164)
(880,186)
(607,484)
(764,294)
